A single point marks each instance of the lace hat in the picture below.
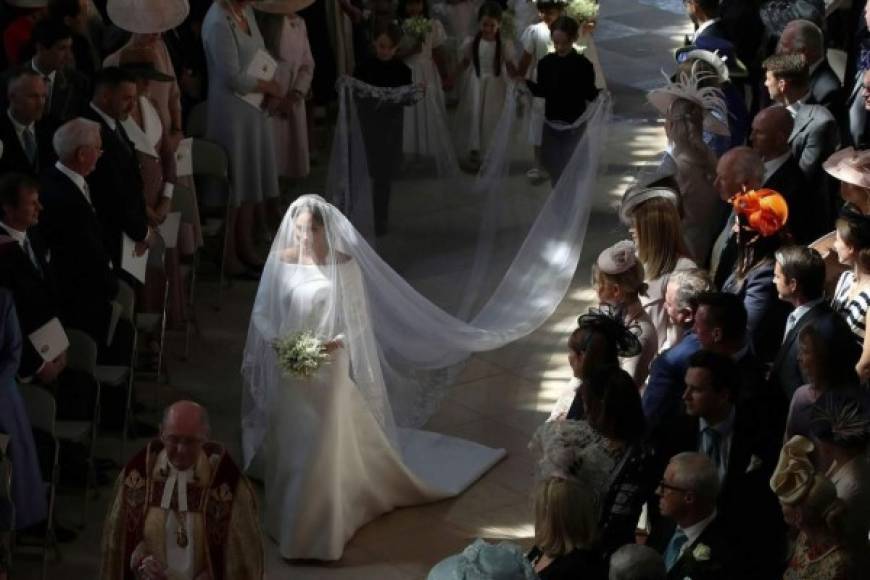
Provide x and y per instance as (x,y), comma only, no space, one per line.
(483,561)
(718,53)
(618,258)
(711,100)
(282,6)
(850,166)
(147,16)
(765,210)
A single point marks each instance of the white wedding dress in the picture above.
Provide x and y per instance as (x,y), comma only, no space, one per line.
(327,460)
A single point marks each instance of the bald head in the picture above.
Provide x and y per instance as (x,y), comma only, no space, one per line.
(740,168)
(803,37)
(186,418)
(771,129)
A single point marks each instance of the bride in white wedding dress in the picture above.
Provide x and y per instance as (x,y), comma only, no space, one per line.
(327,448)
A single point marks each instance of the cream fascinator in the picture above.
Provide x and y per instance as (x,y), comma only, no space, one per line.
(483,561)
(794,475)
(572,450)
(710,99)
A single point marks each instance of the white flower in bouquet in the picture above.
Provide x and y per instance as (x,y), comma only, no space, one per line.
(583,10)
(300,354)
(419,27)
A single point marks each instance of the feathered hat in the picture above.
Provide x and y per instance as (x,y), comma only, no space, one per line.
(710,99)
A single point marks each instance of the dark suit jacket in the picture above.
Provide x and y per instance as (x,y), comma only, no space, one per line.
(662,398)
(765,312)
(719,566)
(814,137)
(70,93)
(33,290)
(116,191)
(744,28)
(749,512)
(826,90)
(14,158)
(79,261)
(785,374)
(804,205)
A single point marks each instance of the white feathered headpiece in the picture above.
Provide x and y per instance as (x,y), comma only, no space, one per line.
(710,99)
(572,450)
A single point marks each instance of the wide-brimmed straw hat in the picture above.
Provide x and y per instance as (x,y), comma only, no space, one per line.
(282,6)
(851,166)
(147,16)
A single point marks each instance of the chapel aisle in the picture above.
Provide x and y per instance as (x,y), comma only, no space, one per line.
(502,395)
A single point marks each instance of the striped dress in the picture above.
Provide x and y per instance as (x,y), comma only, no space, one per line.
(853,310)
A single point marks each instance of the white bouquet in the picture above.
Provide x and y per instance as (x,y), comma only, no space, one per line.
(418,27)
(583,10)
(300,354)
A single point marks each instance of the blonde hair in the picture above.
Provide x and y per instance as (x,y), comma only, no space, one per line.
(566,517)
(659,236)
(631,281)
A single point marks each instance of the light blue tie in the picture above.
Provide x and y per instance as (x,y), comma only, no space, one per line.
(711,445)
(672,553)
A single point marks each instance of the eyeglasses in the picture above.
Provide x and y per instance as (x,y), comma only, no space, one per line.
(663,485)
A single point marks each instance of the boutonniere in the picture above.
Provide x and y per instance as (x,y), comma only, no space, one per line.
(754,463)
(701,553)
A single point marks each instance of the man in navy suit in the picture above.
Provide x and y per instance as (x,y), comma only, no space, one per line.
(799,276)
(705,15)
(699,547)
(25,135)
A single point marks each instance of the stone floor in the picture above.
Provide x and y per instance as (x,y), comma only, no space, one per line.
(502,395)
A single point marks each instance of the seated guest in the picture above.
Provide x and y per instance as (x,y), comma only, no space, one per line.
(799,277)
(653,219)
(68,88)
(79,260)
(739,170)
(613,410)
(25,272)
(30,506)
(811,506)
(162,528)
(699,546)
(852,296)
(682,288)
(636,562)
(116,182)
(743,446)
(618,277)
(771,129)
(827,360)
(841,431)
(661,397)
(806,38)
(504,561)
(26,139)
(600,339)
(760,220)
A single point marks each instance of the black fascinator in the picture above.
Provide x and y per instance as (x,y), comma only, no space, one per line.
(610,322)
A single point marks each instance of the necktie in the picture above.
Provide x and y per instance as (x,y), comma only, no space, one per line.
(122,136)
(29,142)
(789,325)
(28,249)
(711,445)
(672,553)
(48,88)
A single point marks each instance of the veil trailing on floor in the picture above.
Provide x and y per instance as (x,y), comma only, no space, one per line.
(421,345)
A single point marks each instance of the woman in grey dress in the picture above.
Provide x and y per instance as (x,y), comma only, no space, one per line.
(231,40)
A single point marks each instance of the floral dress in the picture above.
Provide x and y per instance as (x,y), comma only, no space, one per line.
(816,562)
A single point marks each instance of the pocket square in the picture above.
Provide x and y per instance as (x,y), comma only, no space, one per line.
(754,464)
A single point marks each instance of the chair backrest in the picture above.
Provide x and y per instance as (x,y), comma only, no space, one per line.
(82,352)
(126,297)
(196,120)
(210,160)
(41,407)
(184,200)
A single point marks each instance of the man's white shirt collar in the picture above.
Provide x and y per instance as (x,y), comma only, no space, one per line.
(35,68)
(773,165)
(795,106)
(75,178)
(694,531)
(16,235)
(109,120)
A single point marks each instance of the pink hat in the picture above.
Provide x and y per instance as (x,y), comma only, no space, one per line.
(618,258)
(850,166)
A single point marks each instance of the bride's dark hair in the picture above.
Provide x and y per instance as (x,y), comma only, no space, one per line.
(314,210)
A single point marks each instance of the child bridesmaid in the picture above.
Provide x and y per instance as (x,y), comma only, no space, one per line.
(420,49)
(286,37)
(491,59)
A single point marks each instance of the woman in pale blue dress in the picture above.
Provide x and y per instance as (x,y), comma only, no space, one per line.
(231,40)
(29,503)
